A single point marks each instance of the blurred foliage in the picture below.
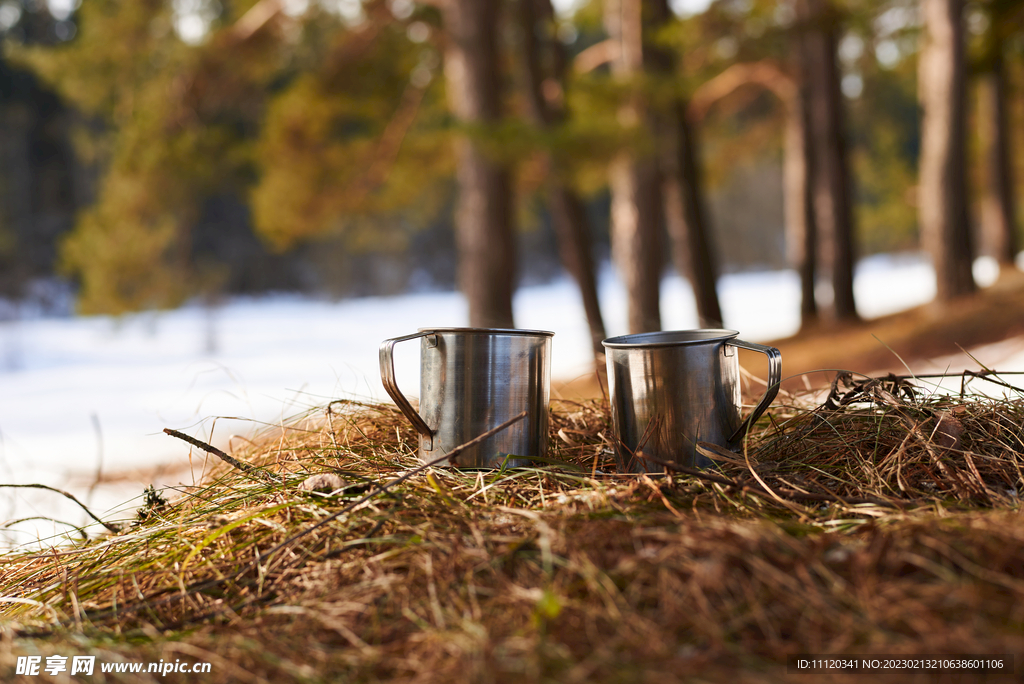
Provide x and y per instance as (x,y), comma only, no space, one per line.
(356,135)
(172,131)
(291,117)
(329,126)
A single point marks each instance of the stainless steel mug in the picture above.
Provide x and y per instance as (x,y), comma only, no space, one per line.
(473,380)
(670,390)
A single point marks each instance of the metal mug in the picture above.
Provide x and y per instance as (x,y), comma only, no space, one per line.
(670,390)
(473,380)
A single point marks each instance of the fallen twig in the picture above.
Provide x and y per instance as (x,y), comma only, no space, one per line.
(110,526)
(249,470)
(387,485)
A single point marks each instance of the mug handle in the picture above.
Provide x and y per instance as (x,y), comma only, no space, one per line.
(387,376)
(774,378)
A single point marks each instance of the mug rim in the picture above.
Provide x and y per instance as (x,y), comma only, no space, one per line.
(669,338)
(492,331)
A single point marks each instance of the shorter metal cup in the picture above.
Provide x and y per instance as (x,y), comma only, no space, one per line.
(472,380)
(670,390)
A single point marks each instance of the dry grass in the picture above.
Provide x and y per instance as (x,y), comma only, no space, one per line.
(884,521)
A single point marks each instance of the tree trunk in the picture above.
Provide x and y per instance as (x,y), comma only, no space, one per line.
(831,187)
(483,216)
(686,214)
(574,243)
(567,209)
(633,179)
(687,217)
(798,176)
(801,229)
(998,223)
(943,189)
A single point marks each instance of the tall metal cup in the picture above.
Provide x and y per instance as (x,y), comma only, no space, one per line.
(670,390)
(473,380)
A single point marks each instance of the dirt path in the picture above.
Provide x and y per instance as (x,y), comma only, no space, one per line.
(927,338)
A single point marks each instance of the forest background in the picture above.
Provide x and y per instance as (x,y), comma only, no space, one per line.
(155,152)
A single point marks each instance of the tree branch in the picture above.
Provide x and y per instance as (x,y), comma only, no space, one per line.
(596,55)
(251,471)
(765,73)
(110,526)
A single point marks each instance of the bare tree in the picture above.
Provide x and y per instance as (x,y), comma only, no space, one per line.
(483,216)
(943,189)
(634,179)
(686,215)
(831,178)
(544,65)
(998,224)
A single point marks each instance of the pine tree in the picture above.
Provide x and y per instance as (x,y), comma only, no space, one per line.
(634,178)
(945,226)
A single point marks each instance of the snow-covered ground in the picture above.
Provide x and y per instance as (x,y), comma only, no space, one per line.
(80,394)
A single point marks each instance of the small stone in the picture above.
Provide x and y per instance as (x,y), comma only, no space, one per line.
(947,432)
(322,482)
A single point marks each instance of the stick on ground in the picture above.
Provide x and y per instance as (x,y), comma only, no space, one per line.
(110,526)
(249,470)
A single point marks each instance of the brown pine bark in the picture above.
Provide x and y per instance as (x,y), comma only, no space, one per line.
(483,217)
(998,223)
(686,215)
(634,181)
(945,228)
(801,230)
(568,214)
(798,182)
(687,218)
(831,179)
(576,250)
